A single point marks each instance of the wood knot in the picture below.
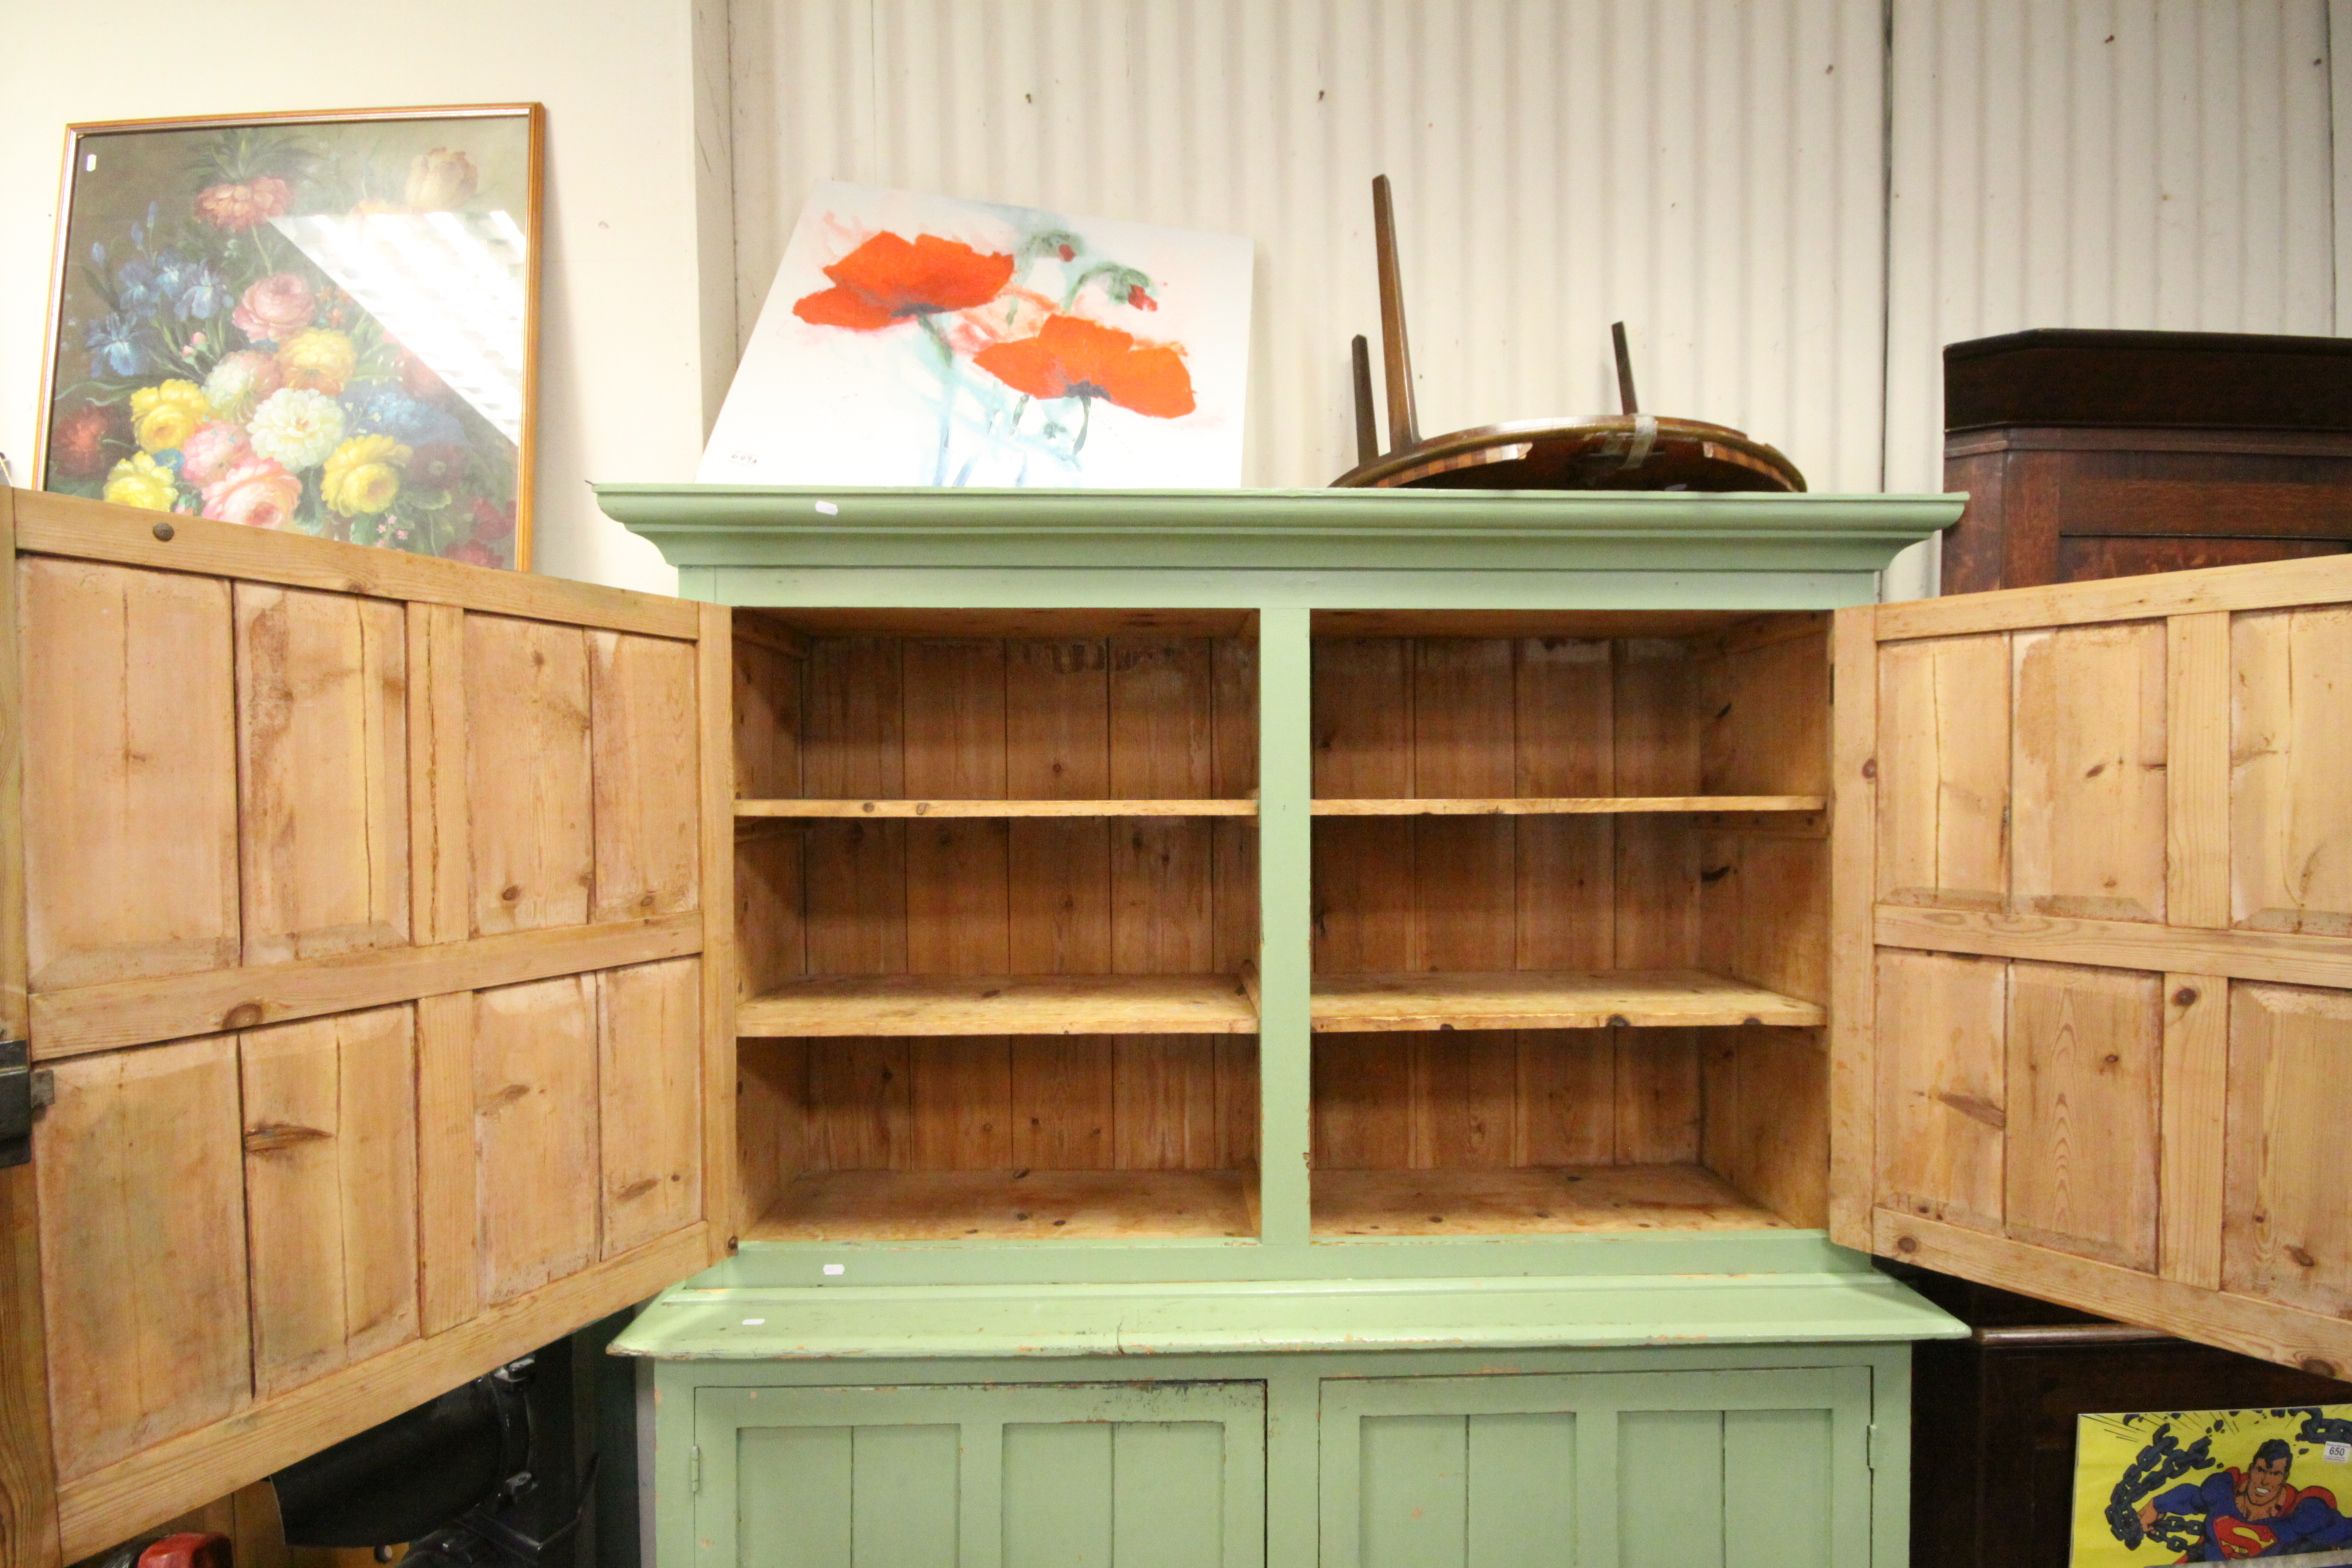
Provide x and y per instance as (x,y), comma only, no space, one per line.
(2319,1366)
(2186,996)
(510,893)
(271,1137)
(242,1016)
(164,532)
(1870,767)
(1906,1245)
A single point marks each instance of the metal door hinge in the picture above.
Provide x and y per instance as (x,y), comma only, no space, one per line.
(25,1091)
(694,1468)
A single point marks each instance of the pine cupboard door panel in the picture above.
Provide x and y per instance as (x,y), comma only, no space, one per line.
(1726,1468)
(2082,1130)
(140,1179)
(1943,1086)
(2088,772)
(641,698)
(528,786)
(322,756)
(2287,1220)
(130,788)
(649,1091)
(2110,1071)
(340,1121)
(1943,772)
(2290,755)
(535,1133)
(1138,1475)
(330,1191)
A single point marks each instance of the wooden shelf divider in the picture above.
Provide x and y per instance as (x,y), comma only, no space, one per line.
(1010,1204)
(1565,805)
(1532,999)
(831,810)
(1000,1004)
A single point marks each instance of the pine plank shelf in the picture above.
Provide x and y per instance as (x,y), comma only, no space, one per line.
(828,810)
(1001,1004)
(1555,1200)
(1653,998)
(1014,1204)
(1565,805)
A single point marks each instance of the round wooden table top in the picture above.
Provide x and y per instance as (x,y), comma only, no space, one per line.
(1603,452)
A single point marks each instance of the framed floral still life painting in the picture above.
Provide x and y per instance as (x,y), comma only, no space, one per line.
(323,323)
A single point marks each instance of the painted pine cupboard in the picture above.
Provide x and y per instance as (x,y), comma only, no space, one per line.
(1362,1008)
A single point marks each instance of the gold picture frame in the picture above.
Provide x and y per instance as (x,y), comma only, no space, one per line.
(326,321)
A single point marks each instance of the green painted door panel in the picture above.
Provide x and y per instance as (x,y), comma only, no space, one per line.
(1756,1469)
(1167,1475)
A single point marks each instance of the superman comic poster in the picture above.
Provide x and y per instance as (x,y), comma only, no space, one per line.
(2202,1486)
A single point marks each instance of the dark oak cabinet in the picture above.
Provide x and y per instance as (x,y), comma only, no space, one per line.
(2112,454)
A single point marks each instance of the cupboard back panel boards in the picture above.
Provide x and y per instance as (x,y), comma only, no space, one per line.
(971,797)
(365,951)
(1535,800)
(2111,969)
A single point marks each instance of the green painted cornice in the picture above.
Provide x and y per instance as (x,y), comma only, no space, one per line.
(697,525)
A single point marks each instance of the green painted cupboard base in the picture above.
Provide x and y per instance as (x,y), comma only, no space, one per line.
(1777,1457)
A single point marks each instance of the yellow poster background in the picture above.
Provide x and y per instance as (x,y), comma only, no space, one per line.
(2124,1462)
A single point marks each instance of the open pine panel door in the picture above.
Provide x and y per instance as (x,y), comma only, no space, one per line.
(2092,1033)
(374,938)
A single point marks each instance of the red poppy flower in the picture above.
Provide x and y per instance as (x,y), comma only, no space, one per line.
(887,280)
(1074,357)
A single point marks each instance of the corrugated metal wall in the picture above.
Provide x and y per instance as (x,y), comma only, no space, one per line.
(1794,203)
(1709,171)
(2100,163)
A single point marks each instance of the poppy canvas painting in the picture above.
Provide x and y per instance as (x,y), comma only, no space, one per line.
(924,340)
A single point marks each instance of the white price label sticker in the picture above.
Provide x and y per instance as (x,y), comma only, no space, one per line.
(2339,1453)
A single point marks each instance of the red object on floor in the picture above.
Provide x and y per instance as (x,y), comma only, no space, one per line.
(191,1549)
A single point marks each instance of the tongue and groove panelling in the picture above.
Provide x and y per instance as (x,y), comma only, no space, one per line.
(364,947)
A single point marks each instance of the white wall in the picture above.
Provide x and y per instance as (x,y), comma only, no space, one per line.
(625,327)
(1795,203)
